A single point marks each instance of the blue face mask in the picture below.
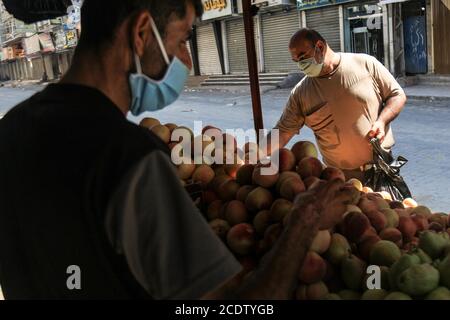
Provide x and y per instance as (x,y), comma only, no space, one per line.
(151,95)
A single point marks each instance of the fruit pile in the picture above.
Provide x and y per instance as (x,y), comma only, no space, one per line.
(408,243)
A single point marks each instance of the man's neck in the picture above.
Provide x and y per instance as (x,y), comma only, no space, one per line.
(102,74)
(334,62)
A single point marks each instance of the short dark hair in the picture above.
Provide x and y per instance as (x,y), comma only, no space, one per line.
(309,34)
(314,36)
(100,19)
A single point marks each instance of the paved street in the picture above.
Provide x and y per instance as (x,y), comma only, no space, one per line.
(421,132)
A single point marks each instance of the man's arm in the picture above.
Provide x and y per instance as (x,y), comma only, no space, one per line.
(290,123)
(284,138)
(394,106)
(277,275)
(394,100)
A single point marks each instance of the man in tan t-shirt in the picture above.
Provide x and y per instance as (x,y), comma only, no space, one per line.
(345,98)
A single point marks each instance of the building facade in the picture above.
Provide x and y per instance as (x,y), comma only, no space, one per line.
(400,33)
(40,51)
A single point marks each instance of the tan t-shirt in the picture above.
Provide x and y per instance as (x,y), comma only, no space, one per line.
(341,109)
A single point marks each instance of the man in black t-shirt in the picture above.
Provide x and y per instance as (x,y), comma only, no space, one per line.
(90,204)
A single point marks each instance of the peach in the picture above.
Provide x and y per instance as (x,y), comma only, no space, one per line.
(214,210)
(304,149)
(392,234)
(262,180)
(356,183)
(220,228)
(284,176)
(241,239)
(243,192)
(314,268)
(208,197)
(287,160)
(377,220)
(171,126)
(186,170)
(321,242)
(291,187)
(367,190)
(244,174)
(421,222)
(308,167)
(149,123)
(262,221)
(407,227)
(355,224)
(227,190)
(203,174)
(259,199)
(218,181)
(365,247)
(422,211)
(211,131)
(410,203)
(280,208)
(235,213)
(367,205)
(161,132)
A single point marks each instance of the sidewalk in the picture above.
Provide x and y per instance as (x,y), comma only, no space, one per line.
(428,93)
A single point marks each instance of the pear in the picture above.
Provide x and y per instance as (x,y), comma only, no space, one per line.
(353,271)
(441,293)
(432,243)
(444,270)
(338,250)
(397,296)
(418,280)
(401,265)
(377,294)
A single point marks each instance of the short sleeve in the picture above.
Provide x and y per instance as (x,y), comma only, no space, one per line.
(389,87)
(292,119)
(168,245)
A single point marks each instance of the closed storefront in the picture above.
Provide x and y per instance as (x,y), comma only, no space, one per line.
(207,50)
(277,30)
(364,30)
(237,52)
(327,22)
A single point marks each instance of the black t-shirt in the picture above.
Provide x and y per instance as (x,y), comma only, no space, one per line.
(75,178)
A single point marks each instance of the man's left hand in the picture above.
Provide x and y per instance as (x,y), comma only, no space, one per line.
(378,131)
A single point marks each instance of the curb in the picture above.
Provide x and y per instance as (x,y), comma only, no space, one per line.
(428,98)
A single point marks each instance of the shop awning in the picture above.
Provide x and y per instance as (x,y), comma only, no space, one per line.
(31,11)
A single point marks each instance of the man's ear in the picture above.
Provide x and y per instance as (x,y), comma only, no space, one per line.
(322,46)
(141,32)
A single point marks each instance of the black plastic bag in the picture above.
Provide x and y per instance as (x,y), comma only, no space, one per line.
(385,173)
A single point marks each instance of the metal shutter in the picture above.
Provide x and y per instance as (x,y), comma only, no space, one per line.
(277,32)
(207,50)
(188,45)
(237,52)
(326,22)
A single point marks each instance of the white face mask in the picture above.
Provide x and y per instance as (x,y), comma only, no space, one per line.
(310,66)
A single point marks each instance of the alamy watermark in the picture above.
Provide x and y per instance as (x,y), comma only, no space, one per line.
(215,146)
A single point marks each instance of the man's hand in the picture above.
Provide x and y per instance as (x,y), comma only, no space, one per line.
(329,200)
(378,131)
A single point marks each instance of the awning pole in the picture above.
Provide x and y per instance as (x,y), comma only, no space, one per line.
(253,67)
